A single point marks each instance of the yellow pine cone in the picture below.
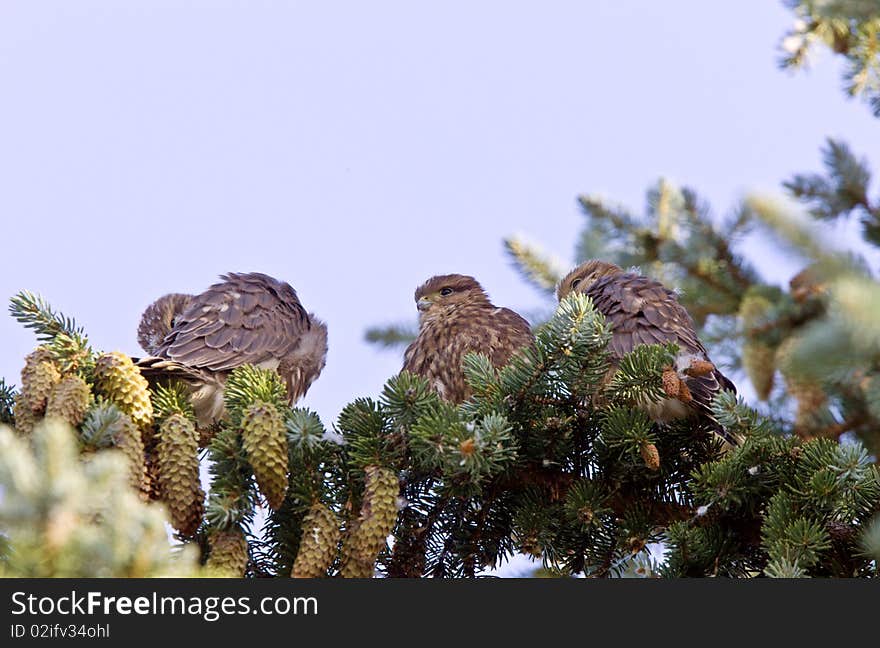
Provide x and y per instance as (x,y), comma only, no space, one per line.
(179,484)
(127,438)
(376,520)
(229,554)
(69,400)
(317,548)
(118,379)
(353,565)
(759,362)
(264,437)
(25,419)
(39,376)
(650,455)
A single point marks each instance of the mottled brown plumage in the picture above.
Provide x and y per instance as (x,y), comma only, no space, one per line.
(455,318)
(158,320)
(244,319)
(640,310)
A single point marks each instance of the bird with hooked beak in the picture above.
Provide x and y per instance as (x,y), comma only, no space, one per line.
(456,318)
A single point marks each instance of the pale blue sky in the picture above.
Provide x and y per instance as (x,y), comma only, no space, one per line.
(353,149)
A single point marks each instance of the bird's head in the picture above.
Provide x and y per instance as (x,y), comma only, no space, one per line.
(584,276)
(158,320)
(444,294)
(308,359)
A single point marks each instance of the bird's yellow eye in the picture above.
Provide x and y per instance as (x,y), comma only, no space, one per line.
(445,292)
(575,283)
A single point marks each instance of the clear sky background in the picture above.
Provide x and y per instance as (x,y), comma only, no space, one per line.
(355,148)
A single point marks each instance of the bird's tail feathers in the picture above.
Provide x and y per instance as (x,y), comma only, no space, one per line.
(154,368)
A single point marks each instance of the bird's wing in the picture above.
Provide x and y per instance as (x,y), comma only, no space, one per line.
(510,332)
(642,311)
(244,319)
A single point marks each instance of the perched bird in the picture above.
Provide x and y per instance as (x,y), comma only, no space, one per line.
(247,318)
(640,310)
(158,320)
(455,318)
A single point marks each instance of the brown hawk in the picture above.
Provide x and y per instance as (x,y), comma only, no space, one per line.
(640,310)
(455,318)
(158,320)
(246,318)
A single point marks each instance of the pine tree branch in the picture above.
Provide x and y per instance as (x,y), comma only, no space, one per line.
(36,313)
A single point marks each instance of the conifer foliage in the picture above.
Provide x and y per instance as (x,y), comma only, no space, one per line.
(549,457)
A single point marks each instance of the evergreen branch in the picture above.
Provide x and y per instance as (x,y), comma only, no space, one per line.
(392,336)
(171,399)
(7,402)
(540,271)
(845,188)
(851,29)
(248,384)
(36,313)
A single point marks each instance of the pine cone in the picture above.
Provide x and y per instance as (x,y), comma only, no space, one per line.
(317,549)
(759,362)
(354,565)
(376,520)
(650,455)
(179,473)
(758,357)
(119,380)
(229,554)
(25,419)
(39,375)
(265,441)
(127,438)
(69,400)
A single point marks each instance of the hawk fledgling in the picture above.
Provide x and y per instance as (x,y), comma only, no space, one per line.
(247,318)
(455,318)
(158,320)
(640,310)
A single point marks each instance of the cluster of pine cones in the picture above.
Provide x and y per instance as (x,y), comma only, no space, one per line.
(115,402)
(110,404)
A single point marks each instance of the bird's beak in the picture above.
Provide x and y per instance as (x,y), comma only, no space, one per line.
(423,304)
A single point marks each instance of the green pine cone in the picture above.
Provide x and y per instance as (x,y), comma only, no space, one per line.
(25,418)
(229,554)
(127,438)
(69,400)
(379,509)
(758,357)
(118,379)
(179,484)
(38,377)
(759,361)
(320,538)
(264,438)
(353,564)
(375,522)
